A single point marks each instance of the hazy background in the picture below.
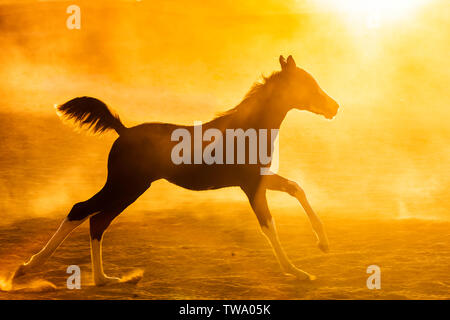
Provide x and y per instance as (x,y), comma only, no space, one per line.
(385,155)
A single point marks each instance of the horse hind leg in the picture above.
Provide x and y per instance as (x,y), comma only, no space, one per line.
(126,194)
(80,211)
(98,225)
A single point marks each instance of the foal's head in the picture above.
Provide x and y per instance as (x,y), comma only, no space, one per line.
(300,90)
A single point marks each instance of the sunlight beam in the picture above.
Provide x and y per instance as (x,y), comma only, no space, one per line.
(373,12)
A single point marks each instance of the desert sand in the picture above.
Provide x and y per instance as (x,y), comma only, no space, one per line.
(221,254)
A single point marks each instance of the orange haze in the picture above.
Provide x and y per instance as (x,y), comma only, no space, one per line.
(385,155)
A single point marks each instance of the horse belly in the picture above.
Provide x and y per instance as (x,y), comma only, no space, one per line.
(202,177)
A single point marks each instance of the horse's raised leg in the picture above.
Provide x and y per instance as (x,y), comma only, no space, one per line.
(39,258)
(77,215)
(276,182)
(259,205)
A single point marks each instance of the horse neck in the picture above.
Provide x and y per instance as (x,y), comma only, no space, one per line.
(266,114)
(261,111)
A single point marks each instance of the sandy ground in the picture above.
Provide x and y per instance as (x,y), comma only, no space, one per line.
(220,254)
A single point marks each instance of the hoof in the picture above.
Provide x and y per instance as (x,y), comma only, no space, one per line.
(307,277)
(300,274)
(324,247)
(312,278)
(105,281)
(133,277)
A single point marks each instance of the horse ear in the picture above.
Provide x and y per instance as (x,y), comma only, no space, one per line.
(290,64)
(282,62)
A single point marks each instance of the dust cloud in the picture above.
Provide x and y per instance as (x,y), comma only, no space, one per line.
(385,155)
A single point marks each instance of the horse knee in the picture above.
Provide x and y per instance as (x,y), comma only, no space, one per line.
(266,225)
(300,193)
(295,190)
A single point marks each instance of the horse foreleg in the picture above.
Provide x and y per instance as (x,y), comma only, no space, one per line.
(276,182)
(258,202)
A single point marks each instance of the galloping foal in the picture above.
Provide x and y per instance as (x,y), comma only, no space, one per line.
(142,154)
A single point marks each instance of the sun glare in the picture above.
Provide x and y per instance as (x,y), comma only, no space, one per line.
(374,12)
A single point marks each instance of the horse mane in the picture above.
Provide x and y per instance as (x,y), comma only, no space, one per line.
(256,92)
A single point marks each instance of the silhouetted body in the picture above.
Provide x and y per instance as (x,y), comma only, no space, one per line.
(142,154)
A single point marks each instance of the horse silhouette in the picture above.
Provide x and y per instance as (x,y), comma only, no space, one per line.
(142,154)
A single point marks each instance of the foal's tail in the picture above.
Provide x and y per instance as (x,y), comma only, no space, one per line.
(92,114)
